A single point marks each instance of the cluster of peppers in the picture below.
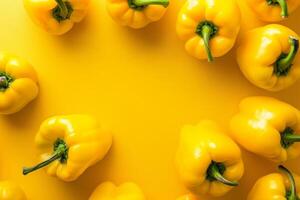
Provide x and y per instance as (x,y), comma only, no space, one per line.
(198,18)
(267,56)
(59,16)
(68,145)
(209,161)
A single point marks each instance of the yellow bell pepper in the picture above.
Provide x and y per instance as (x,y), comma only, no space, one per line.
(18,83)
(136,13)
(109,191)
(11,191)
(207,160)
(69,145)
(268,57)
(276,186)
(208,27)
(188,197)
(56,16)
(273,10)
(267,127)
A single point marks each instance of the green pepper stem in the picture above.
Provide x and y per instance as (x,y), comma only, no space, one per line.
(288,137)
(291,138)
(164,3)
(63,8)
(206,33)
(61,150)
(3,82)
(292,195)
(286,62)
(284,8)
(214,172)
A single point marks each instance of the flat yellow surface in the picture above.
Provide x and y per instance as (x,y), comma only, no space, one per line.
(141,84)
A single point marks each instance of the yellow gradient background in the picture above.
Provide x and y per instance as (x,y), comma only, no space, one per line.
(141,84)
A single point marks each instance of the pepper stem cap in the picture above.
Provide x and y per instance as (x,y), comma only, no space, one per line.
(63,8)
(214,173)
(285,62)
(288,137)
(3,82)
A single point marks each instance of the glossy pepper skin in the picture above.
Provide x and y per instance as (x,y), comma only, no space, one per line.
(208,161)
(269,57)
(276,186)
(69,145)
(11,191)
(272,125)
(273,10)
(188,197)
(18,83)
(208,27)
(56,16)
(136,13)
(109,191)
